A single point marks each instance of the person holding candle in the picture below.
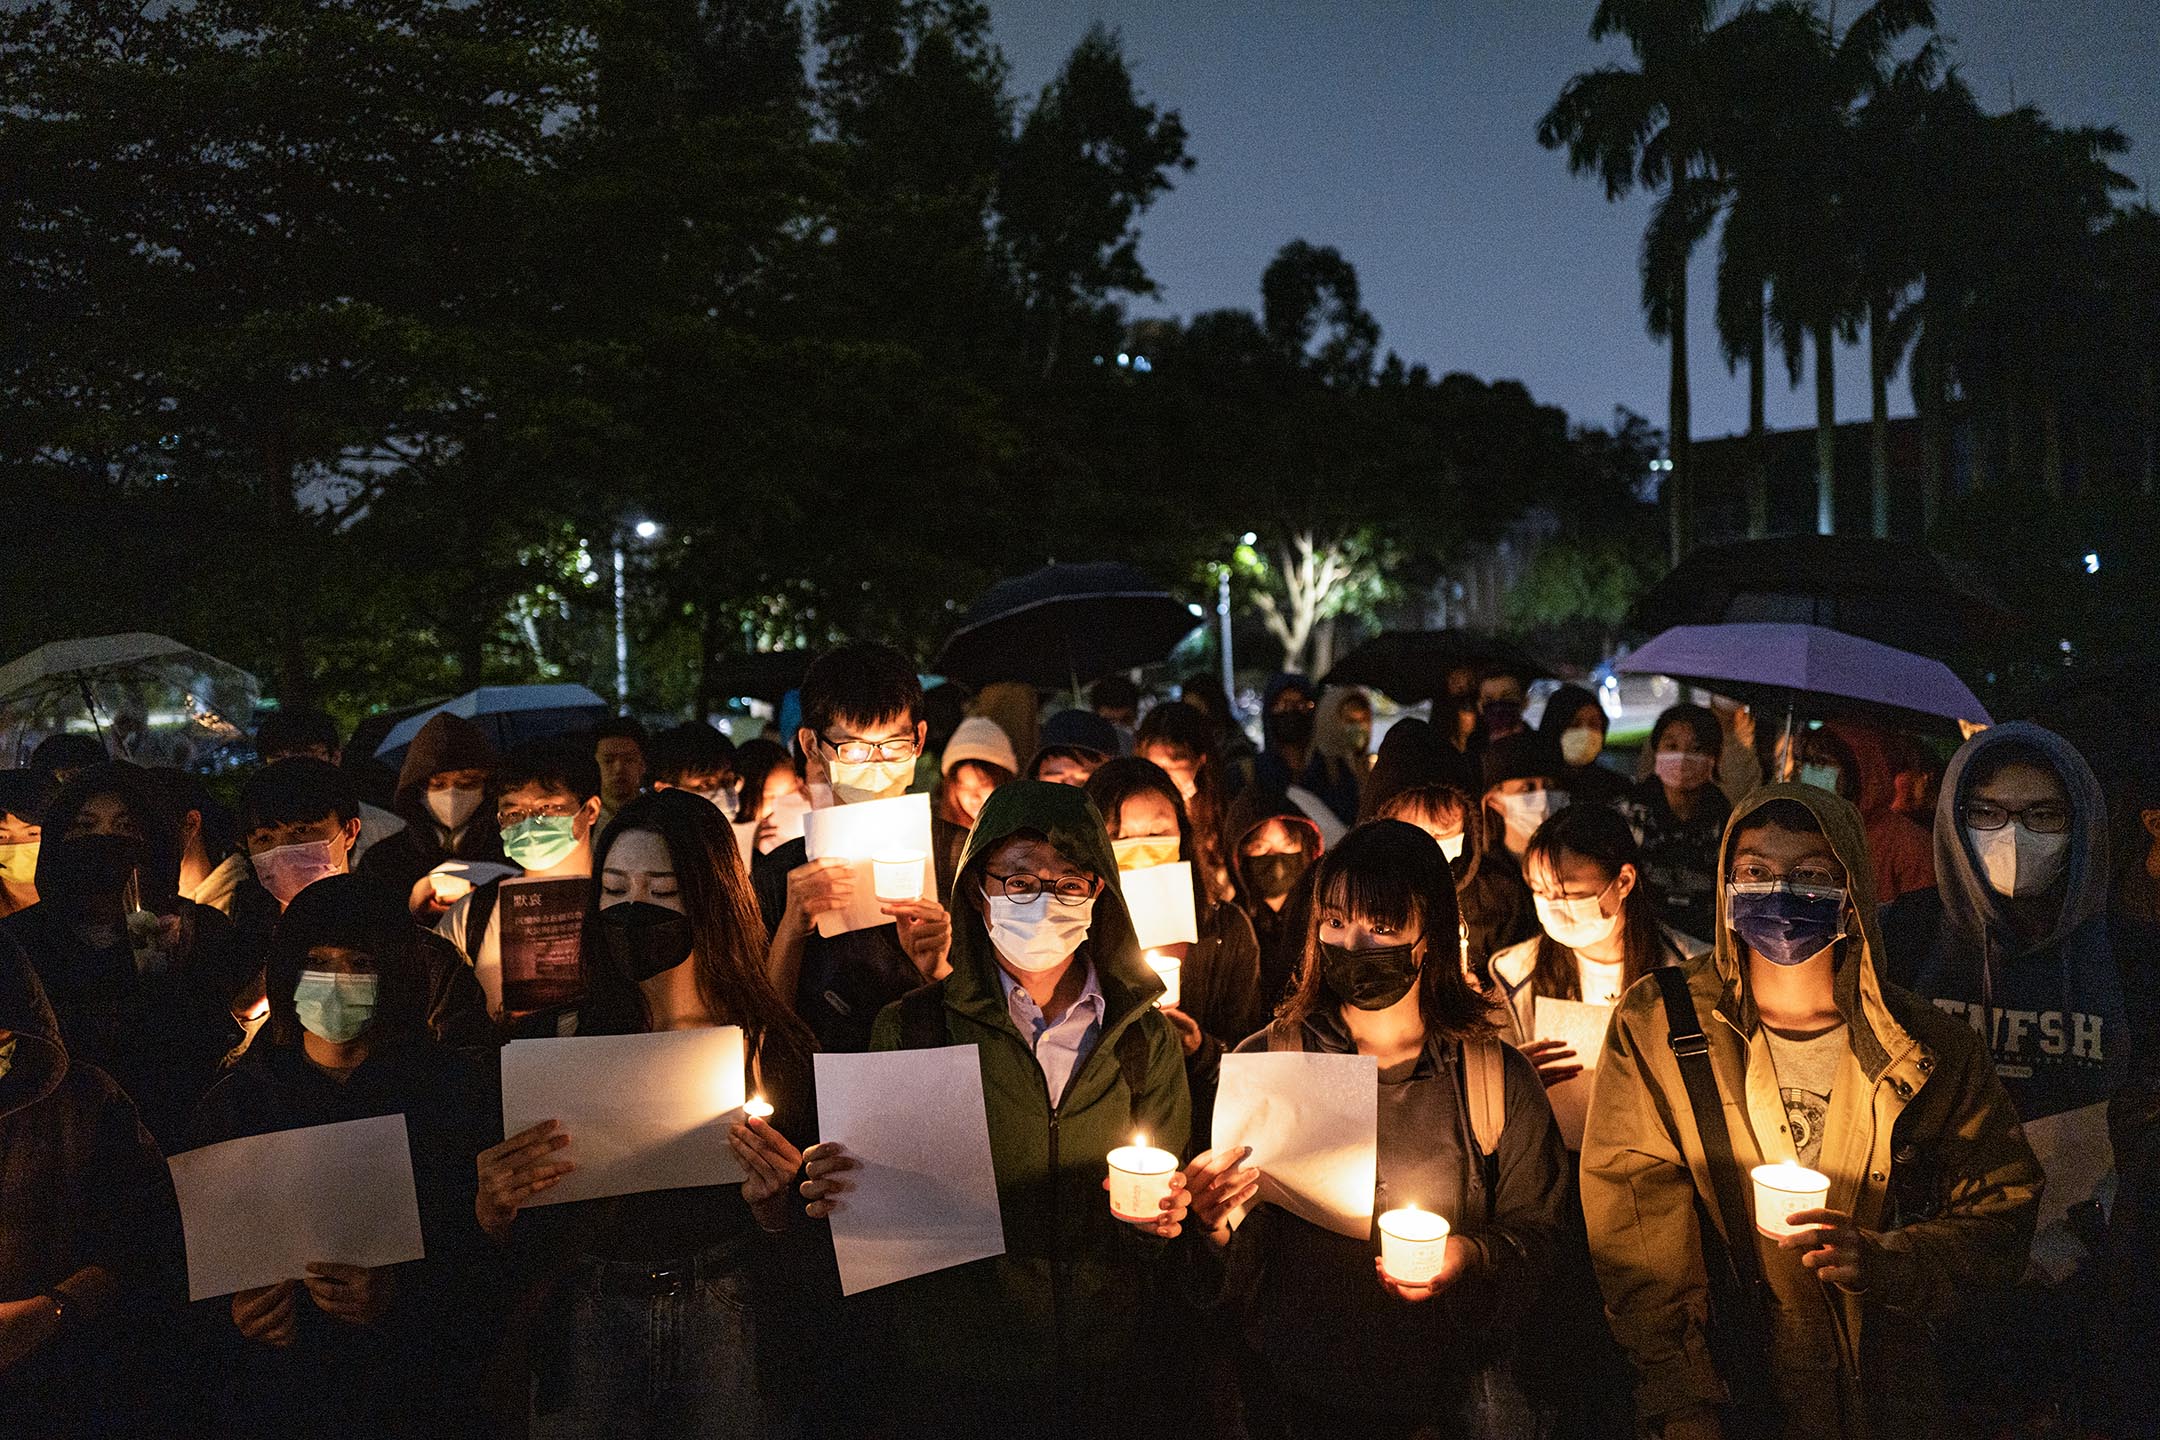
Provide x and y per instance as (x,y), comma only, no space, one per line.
(1048,983)
(1343,1346)
(1814,1061)
(669,1312)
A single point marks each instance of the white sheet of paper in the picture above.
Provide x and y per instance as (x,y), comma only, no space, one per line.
(643,1112)
(926,1196)
(259,1210)
(857,833)
(1313,1123)
(2075,1150)
(1160,901)
(745,841)
(1581,1026)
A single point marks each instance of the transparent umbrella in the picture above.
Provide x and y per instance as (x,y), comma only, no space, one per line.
(148,698)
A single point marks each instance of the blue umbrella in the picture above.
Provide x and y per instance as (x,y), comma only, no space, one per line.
(510,714)
(1808,668)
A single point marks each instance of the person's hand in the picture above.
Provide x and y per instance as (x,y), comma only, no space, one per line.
(352,1293)
(1222,1188)
(826,1165)
(427,902)
(769,1164)
(925,933)
(1554,1060)
(267,1315)
(516,1170)
(822,887)
(1170,1223)
(1454,1260)
(1694,1425)
(1831,1249)
(25,1326)
(1188,1029)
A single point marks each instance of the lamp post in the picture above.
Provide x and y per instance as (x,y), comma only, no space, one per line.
(645,530)
(1222,614)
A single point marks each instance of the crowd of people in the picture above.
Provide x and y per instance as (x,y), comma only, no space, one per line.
(1935,985)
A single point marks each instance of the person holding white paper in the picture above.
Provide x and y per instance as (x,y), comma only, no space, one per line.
(663,1304)
(1342,1348)
(1047,982)
(861,734)
(1598,932)
(347,1039)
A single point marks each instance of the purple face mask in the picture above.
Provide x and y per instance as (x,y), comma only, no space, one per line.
(288,869)
(1786,924)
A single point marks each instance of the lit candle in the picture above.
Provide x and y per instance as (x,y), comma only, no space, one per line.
(758,1108)
(1413,1243)
(1782,1190)
(1140,1181)
(449,889)
(898,875)
(1166,970)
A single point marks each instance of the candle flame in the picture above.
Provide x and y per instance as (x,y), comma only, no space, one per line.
(1139,1141)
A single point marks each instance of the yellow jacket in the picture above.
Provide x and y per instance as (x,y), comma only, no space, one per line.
(1921,1146)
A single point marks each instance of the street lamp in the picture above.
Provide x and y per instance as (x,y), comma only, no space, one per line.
(644,530)
(1222,613)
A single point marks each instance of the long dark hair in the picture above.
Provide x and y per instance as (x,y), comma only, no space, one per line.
(1598,834)
(1119,780)
(1392,872)
(726,931)
(1178,726)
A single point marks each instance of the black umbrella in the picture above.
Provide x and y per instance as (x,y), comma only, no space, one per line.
(1409,666)
(1889,591)
(1066,625)
(765,675)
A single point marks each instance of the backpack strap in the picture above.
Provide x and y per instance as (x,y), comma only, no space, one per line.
(1132,1060)
(1485,1091)
(922,1018)
(479,910)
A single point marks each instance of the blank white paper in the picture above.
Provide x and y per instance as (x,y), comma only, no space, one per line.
(1313,1122)
(643,1112)
(925,1197)
(858,834)
(1581,1026)
(261,1209)
(1160,900)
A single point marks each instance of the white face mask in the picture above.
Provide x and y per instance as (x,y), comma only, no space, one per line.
(873,780)
(1039,934)
(2018,862)
(1577,923)
(1452,846)
(452,808)
(1524,813)
(1581,745)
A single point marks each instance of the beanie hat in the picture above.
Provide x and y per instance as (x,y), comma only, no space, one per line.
(980,738)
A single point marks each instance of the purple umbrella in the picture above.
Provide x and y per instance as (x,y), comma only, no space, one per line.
(1791,663)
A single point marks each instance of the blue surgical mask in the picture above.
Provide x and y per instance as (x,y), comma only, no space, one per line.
(1784,923)
(334,1007)
(541,842)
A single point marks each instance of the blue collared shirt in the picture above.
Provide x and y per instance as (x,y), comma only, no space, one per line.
(1058,1048)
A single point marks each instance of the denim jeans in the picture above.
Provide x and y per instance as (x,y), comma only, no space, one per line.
(639,1356)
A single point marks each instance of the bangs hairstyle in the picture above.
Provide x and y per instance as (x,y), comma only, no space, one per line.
(727,934)
(861,684)
(1600,835)
(1120,780)
(1994,759)
(691,748)
(346,911)
(1708,734)
(1783,813)
(295,731)
(754,761)
(297,790)
(1388,872)
(549,764)
(1429,801)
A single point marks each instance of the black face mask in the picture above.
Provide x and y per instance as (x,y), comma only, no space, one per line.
(1290,727)
(1368,979)
(645,939)
(1274,875)
(92,867)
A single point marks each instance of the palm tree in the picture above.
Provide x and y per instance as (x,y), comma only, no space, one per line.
(1654,125)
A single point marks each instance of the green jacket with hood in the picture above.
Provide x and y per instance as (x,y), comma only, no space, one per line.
(1059,1311)
(1920,1143)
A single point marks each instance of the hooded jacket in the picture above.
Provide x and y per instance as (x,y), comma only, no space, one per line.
(2051,1008)
(1591,784)
(1059,1313)
(86,1213)
(446,742)
(1279,933)
(1340,757)
(1920,1144)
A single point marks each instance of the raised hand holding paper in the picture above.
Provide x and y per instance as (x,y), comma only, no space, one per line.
(643,1112)
(261,1209)
(860,833)
(1581,1026)
(925,1197)
(1160,901)
(1313,1123)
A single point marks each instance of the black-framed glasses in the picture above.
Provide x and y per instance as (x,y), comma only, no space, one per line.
(1066,890)
(2049,817)
(852,751)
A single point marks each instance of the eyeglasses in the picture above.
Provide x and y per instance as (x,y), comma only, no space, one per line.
(1802,877)
(1067,890)
(2046,818)
(508,816)
(862,752)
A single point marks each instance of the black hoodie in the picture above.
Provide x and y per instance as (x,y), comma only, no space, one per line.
(446,742)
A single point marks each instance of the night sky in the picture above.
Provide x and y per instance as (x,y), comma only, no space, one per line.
(1402,134)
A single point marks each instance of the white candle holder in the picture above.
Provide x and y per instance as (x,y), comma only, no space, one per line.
(898,875)
(1167,969)
(1413,1245)
(1784,1189)
(1140,1179)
